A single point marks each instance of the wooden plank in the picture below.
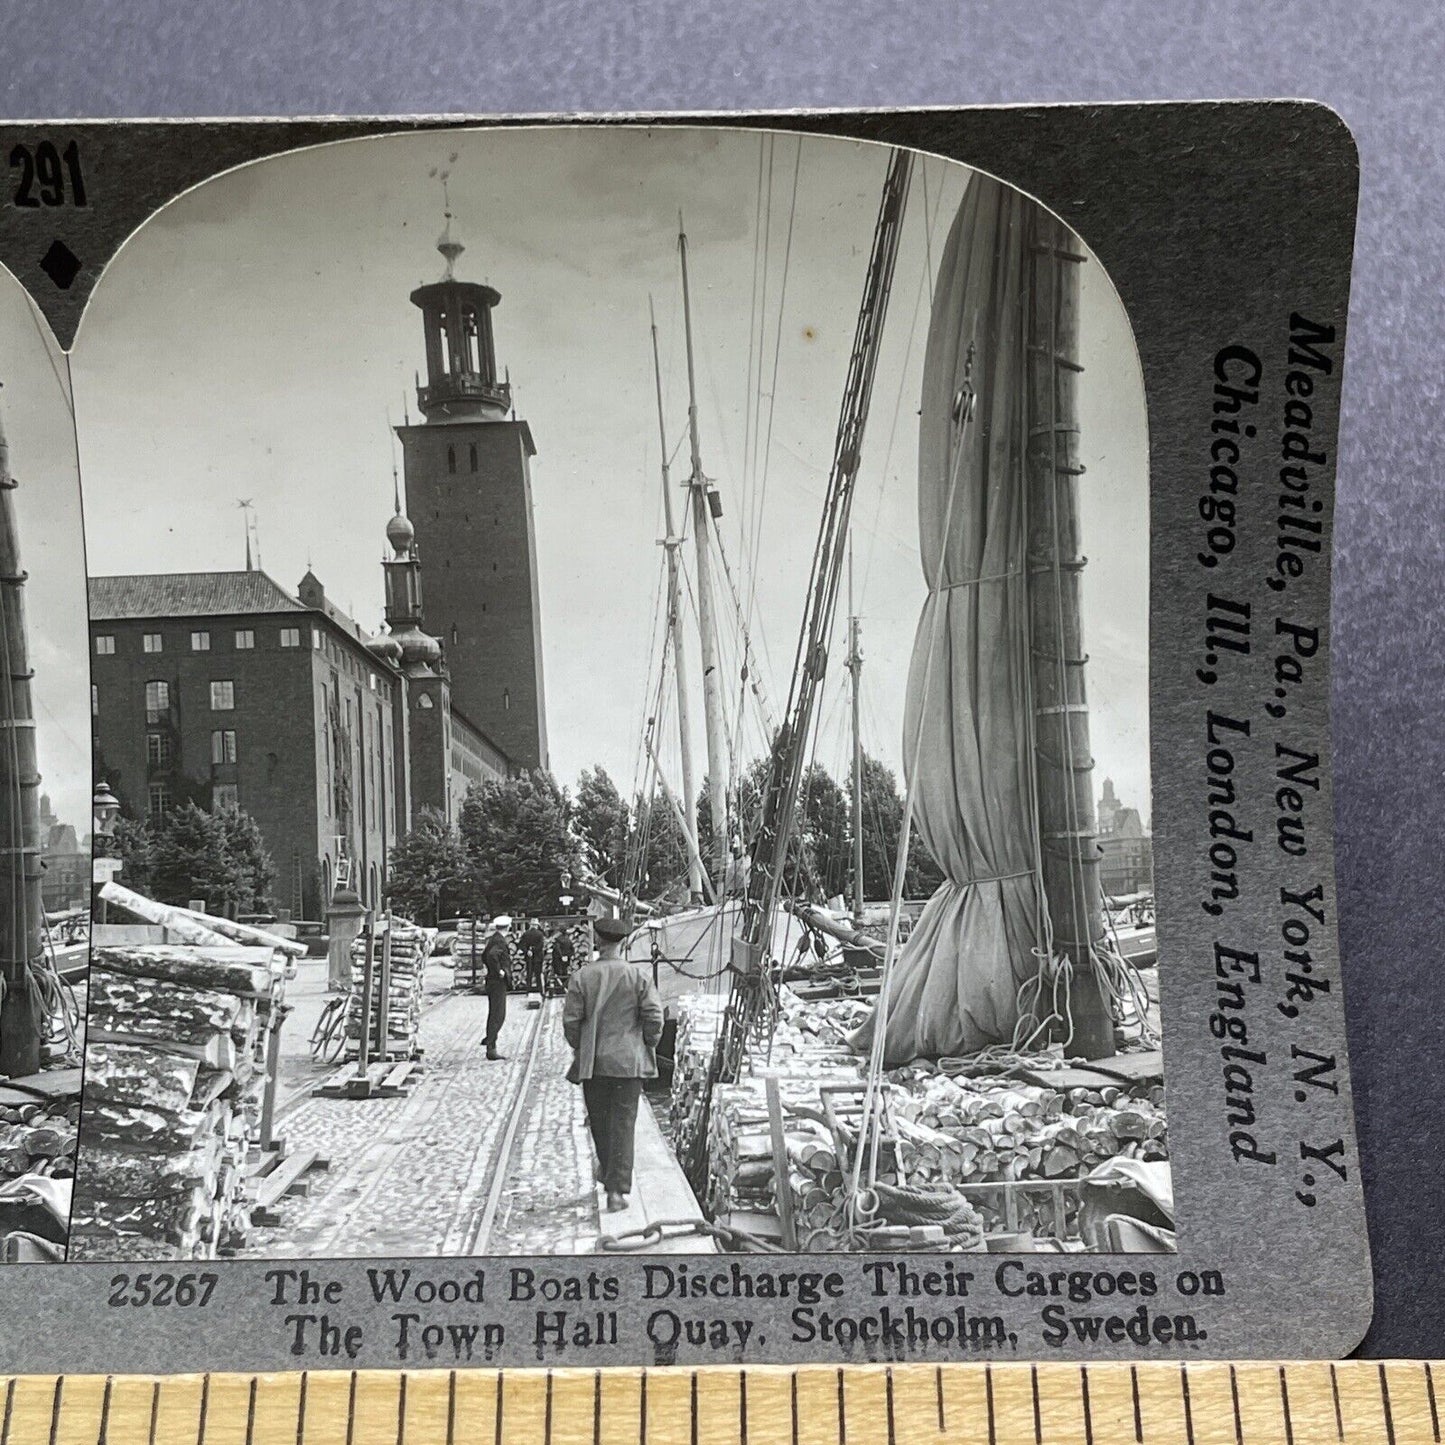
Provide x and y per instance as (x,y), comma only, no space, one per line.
(1137,1068)
(782,1189)
(281,1180)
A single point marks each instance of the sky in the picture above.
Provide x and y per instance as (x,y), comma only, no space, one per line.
(35,412)
(255,340)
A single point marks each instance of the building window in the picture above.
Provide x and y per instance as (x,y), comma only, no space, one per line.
(158,750)
(151,641)
(105,647)
(506,699)
(316,638)
(224,795)
(474,456)
(223,696)
(290,637)
(200,642)
(451,459)
(371,681)
(423,701)
(223,746)
(245,639)
(158,800)
(94,700)
(158,701)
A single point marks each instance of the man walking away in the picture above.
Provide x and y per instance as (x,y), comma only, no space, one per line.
(497,963)
(613,1020)
(534,953)
(563,953)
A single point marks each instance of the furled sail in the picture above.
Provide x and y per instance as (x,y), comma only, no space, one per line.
(970,729)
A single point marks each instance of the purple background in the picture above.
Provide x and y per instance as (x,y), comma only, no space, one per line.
(1379,65)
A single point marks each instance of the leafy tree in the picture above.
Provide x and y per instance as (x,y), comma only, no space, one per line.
(134,846)
(216,856)
(519,842)
(825,834)
(882,825)
(657,835)
(427,864)
(603,825)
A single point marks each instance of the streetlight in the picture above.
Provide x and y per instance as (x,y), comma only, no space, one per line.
(104,865)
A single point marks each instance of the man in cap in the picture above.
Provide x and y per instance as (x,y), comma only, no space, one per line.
(534,951)
(497,963)
(612,1019)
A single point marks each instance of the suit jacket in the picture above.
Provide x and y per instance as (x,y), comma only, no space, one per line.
(613,1020)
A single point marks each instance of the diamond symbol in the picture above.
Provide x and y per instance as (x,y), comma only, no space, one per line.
(61,264)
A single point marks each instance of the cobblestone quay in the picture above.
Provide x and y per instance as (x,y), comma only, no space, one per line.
(411,1175)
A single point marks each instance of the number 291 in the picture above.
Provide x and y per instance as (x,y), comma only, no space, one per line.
(47,176)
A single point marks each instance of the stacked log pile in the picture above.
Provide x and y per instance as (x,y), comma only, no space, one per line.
(976,1129)
(467,946)
(405,968)
(699,1026)
(38,1138)
(175,1076)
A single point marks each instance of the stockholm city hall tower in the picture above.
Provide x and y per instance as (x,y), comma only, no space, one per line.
(469,497)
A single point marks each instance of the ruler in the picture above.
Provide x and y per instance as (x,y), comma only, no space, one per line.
(1310,1403)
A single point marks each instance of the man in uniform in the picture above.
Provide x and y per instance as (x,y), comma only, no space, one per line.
(497,963)
(612,1019)
(534,951)
(563,952)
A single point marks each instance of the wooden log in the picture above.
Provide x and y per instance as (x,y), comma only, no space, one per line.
(146,1006)
(217,1052)
(141,1128)
(245,933)
(170,1217)
(164,914)
(230,970)
(113,1171)
(150,1078)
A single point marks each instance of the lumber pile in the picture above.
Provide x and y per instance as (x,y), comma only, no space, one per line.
(468,969)
(38,1138)
(399,954)
(175,1077)
(1018,1150)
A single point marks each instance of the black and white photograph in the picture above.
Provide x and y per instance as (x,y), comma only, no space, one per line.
(619,711)
(46,805)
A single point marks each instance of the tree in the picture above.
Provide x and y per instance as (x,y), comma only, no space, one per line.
(519,842)
(825,834)
(658,836)
(135,846)
(218,857)
(603,825)
(882,825)
(428,863)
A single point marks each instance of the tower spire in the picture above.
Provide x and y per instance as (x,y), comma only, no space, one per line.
(244,503)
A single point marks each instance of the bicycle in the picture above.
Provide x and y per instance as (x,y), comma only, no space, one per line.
(328,1038)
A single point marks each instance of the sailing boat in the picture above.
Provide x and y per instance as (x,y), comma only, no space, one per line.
(1012,948)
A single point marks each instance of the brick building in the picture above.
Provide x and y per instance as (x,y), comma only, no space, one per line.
(1127,862)
(469,493)
(222,687)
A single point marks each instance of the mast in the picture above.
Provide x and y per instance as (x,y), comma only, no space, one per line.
(22,910)
(674,624)
(1063,759)
(855,669)
(776,815)
(701,527)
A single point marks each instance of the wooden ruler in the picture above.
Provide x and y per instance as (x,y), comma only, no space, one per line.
(1006,1404)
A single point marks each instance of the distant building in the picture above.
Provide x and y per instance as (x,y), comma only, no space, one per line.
(65,861)
(1126,849)
(222,688)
